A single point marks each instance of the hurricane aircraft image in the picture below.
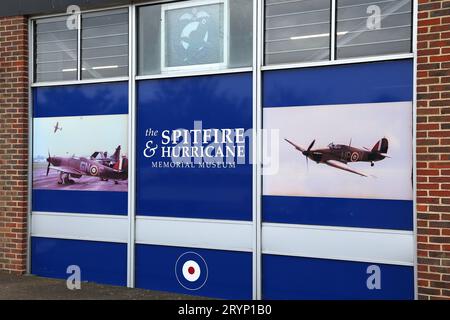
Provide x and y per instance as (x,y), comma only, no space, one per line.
(338,155)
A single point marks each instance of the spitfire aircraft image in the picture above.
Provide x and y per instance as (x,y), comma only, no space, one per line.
(57,127)
(114,168)
(338,155)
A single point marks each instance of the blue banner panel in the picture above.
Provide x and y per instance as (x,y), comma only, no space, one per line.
(287,278)
(81,100)
(373,82)
(344,212)
(206,102)
(95,202)
(100,262)
(202,272)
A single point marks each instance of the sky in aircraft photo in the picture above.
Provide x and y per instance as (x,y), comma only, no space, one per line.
(286,172)
(68,137)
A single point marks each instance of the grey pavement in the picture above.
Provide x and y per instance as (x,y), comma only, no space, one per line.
(29,287)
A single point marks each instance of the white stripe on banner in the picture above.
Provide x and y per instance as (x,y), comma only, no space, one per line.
(195,233)
(339,243)
(78,226)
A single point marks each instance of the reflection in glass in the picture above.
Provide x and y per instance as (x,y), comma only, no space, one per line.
(368,27)
(104,44)
(55,54)
(297,31)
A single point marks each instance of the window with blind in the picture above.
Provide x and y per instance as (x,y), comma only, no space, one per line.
(368,27)
(104,44)
(56,49)
(103,52)
(297,31)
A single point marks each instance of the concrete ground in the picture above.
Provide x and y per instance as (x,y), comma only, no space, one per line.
(27,287)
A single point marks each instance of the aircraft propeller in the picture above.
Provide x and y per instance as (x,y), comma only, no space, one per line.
(48,160)
(306,153)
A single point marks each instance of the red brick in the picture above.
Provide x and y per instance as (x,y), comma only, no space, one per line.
(13,108)
(433,177)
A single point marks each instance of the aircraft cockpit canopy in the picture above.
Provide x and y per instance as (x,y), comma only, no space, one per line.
(334,146)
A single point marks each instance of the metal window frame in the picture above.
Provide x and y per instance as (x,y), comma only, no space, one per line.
(257,68)
(333,28)
(258,49)
(414,27)
(30,140)
(132,62)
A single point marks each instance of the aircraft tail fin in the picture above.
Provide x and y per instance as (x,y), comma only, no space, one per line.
(116,155)
(121,165)
(381,146)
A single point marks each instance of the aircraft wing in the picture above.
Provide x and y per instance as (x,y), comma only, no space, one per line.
(295,146)
(343,166)
(67,170)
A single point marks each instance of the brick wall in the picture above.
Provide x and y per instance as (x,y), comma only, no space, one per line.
(433,149)
(13,143)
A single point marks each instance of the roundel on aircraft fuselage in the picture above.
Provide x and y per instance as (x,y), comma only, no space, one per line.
(355,156)
(93,170)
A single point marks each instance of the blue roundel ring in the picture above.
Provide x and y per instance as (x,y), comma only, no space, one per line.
(191,271)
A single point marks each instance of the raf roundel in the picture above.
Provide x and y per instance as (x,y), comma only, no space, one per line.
(355,156)
(191,271)
(94,170)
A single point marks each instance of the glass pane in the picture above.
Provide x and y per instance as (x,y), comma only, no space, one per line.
(195,36)
(368,27)
(297,31)
(149,39)
(55,53)
(104,44)
(241,33)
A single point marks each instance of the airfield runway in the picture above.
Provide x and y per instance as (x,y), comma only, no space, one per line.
(85,183)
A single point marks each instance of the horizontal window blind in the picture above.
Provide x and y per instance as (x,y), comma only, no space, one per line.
(55,52)
(368,27)
(104,44)
(297,30)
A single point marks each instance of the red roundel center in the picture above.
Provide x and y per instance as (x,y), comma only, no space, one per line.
(191,270)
